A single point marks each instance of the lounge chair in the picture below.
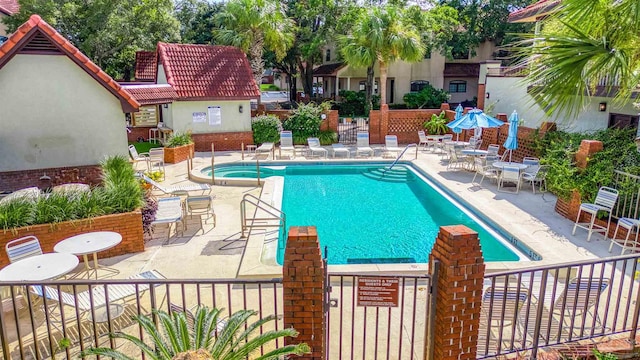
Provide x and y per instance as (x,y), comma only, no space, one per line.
(501,312)
(391,145)
(577,300)
(23,247)
(362,144)
(169,212)
(315,148)
(138,157)
(265,148)
(177,189)
(340,149)
(605,201)
(286,143)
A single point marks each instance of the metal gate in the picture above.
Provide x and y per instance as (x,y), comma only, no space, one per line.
(348,129)
(378,316)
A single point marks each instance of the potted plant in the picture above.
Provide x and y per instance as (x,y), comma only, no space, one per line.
(178,148)
(437,125)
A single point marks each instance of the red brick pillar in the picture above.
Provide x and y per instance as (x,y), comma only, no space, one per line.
(445,106)
(586,149)
(481,96)
(384,121)
(459,292)
(303,285)
(332,118)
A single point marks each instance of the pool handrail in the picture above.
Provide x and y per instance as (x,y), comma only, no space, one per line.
(267,208)
(400,156)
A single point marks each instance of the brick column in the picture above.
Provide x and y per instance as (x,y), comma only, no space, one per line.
(586,149)
(384,121)
(445,106)
(459,292)
(303,288)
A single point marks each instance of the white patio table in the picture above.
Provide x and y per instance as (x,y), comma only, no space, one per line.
(502,164)
(39,267)
(89,243)
(473,152)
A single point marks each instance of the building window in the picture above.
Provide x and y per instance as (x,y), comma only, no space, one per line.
(418,85)
(328,58)
(458,87)
(363,86)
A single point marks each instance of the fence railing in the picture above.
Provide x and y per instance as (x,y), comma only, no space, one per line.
(530,309)
(37,329)
(628,186)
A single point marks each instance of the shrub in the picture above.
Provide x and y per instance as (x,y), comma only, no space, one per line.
(179,139)
(148,213)
(266,128)
(328,137)
(304,122)
(352,103)
(427,98)
(437,124)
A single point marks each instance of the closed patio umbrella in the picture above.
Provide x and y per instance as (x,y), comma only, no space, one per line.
(512,138)
(457,130)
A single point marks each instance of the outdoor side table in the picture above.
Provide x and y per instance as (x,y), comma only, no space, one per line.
(39,267)
(89,243)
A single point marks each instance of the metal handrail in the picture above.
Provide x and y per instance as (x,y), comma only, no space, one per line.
(276,214)
(400,156)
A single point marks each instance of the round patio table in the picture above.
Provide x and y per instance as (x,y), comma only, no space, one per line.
(89,243)
(502,164)
(473,152)
(39,267)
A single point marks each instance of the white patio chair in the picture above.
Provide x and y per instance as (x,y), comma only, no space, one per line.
(156,158)
(423,140)
(391,145)
(484,169)
(631,225)
(201,205)
(536,175)
(315,148)
(456,158)
(286,144)
(509,174)
(362,144)
(170,212)
(442,145)
(23,247)
(138,157)
(493,149)
(176,189)
(531,161)
(605,201)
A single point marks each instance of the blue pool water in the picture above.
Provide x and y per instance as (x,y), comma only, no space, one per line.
(363,219)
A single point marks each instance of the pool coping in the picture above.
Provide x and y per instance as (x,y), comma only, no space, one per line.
(259,258)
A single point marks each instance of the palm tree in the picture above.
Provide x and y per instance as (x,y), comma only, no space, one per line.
(381,35)
(253,25)
(584,42)
(179,336)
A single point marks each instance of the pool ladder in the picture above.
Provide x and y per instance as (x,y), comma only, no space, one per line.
(400,156)
(268,214)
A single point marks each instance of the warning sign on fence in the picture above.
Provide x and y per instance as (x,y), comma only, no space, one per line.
(378,291)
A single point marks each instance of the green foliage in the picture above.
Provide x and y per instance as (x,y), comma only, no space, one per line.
(604,356)
(328,137)
(437,125)
(179,139)
(266,128)
(269,87)
(174,335)
(304,122)
(120,192)
(352,103)
(557,149)
(109,32)
(144,146)
(196,19)
(427,98)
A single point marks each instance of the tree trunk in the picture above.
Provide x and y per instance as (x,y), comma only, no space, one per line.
(369,89)
(255,60)
(306,72)
(383,83)
(293,88)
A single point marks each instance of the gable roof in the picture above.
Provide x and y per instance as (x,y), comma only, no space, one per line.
(208,72)
(9,7)
(146,65)
(328,69)
(36,37)
(151,94)
(534,11)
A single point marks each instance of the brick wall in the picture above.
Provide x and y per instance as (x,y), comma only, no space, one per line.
(222,141)
(15,180)
(129,225)
(137,132)
(459,294)
(303,290)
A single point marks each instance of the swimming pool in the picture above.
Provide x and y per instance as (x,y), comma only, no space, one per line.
(365,215)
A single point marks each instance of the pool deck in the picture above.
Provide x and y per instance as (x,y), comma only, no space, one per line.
(220,252)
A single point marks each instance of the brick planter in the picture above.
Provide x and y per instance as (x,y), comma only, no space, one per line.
(178,154)
(129,225)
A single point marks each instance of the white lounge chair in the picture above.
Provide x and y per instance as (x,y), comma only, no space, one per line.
(391,145)
(315,148)
(138,157)
(267,147)
(362,144)
(578,299)
(177,189)
(170,212)
(286,143)
(605,201)
(340,149)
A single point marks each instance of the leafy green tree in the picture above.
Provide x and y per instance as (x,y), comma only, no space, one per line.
(176,336)
(583,43)
(196,19)
(429,98)
(381,35)
(109,32)
(253,25)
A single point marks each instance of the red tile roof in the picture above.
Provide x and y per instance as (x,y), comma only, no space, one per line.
(146,65)
(48,40)
(9,7)
(207,72)
(534,11)
(149,94)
